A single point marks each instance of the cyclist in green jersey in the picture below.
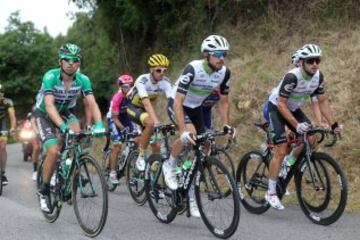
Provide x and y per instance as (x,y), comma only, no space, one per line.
(6,108)
(58,93)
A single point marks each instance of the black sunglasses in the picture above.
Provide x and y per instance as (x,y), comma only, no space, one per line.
(73,60)
(313,60)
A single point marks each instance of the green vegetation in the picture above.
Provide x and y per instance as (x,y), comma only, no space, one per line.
(118,35)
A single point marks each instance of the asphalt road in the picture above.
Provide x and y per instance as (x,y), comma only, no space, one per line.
(20,217)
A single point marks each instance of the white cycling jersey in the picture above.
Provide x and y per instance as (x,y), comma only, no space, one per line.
(297,89)
(145,88)
(197,84)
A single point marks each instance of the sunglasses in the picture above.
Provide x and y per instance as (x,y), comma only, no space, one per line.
(72,60)
(218,54)
(313,60)
(160,70)
(126,86)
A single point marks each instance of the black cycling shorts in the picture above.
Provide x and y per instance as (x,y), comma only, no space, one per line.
(278,122)
(193,116)
(47,128)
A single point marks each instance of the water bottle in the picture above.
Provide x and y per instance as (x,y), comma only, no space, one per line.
(288,161)
(187,164)
(67,165)
(122,159)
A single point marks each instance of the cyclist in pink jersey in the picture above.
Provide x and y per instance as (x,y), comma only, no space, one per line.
(118,121)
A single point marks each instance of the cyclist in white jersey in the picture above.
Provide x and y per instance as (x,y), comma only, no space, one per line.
(284,109)
(197,82)
(140,109)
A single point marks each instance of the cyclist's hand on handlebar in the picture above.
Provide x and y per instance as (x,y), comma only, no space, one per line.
(187,137)
(336,128)
(98,130)
(302,128)
(64,128)
(231,131)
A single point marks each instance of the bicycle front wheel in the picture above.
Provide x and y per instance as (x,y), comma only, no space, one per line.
(90,196)
(322,184)
(159,195)
(135,179)
(55,203)
(252,179)
(220,211)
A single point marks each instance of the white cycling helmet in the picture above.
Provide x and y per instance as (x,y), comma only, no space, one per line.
(295,58)
(214,43)
(309,51)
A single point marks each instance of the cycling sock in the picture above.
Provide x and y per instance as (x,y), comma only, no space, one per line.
(272,186)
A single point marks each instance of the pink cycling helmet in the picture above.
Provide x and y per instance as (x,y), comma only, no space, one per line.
(125,79)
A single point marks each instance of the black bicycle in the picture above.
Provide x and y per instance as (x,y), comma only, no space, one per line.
(78,178)
(123,159)
(219,211)
(321,185)
(222,152)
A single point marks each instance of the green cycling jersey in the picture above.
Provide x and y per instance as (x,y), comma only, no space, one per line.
(65,98)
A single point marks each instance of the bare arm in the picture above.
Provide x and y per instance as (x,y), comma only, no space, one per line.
(12,119)
(224,108)
(285,112)
(150,110)
(326,109)
(179,111)
(87,112)
(52,111)
(93,108)
(316,112)
(117,121)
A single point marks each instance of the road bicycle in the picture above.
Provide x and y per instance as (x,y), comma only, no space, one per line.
(219,210)
(80,179)
(321,185)
(5,134)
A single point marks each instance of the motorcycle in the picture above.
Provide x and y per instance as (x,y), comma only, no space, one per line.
(26,135)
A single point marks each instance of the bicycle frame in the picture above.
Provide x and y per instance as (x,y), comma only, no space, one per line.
(71,147)
(305,155)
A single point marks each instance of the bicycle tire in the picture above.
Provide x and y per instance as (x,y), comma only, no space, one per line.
(324,204)
(214,177)
(134,179)
(88,188)
(56,205)
(157,192)
(253,185)
(105,166)
(227,161)
(322,218)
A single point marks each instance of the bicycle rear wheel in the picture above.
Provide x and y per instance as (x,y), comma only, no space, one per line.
(225,158)
(135,179)
(252,179)
(90,196)
(326,174)
(220,212)
(158,194)
(55,203)
(106,168)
